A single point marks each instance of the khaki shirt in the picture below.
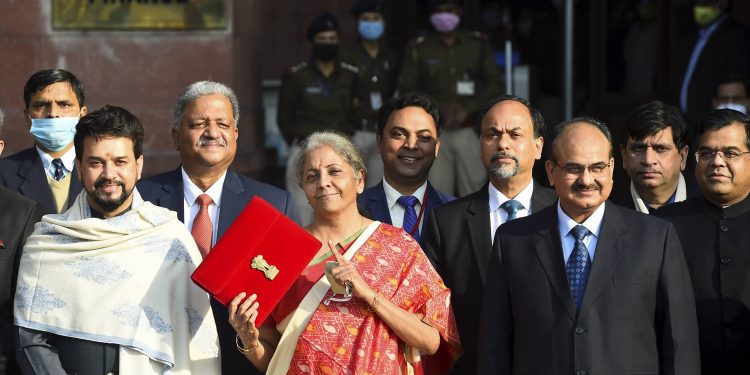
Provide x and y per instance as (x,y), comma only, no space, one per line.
(463,73)
(376,84)
(309,102)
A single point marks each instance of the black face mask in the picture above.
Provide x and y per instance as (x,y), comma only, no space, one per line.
(325,51)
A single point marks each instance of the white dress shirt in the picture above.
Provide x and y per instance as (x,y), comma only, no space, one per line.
(593,224)
(397,210)
(498,215)
(191,207)
(68,159)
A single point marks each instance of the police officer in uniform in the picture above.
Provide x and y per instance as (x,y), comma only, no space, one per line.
(316,94)
(378,70)
(456,68)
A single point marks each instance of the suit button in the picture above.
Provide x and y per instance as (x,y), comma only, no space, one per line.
(727,332)
(726,295)
(579,330)
(581,372)
(724,228)
(726,260)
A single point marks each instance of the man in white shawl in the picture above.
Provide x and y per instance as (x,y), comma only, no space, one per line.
(105,287)
(654,154)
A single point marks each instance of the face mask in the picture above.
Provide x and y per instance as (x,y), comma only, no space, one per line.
(704,15)
(444,22)
(54,133)
(325,51)
(735,106)
(370,30)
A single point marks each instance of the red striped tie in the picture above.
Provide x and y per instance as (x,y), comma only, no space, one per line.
(203,230)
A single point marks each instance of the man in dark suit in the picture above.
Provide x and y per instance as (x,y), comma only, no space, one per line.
(654,155)
(46,172)
(204,192)
(713,229)
(17,218)
(587,287)
(408,139)
(459,235)
(717,49)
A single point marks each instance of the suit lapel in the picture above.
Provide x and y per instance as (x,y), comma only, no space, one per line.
(35,184)
(549,251)
(540,198)
(75,186)
(478,226)
(174,196)
(379,204)
(230,201)
(607,255)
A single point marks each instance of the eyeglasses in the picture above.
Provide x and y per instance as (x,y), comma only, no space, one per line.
(729,156)
(575,170)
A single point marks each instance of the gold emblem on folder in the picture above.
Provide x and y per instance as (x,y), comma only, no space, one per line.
(261,265)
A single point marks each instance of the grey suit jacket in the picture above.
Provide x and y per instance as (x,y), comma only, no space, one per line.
(637,315)
(458,243)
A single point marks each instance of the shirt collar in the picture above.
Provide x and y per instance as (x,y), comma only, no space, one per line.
(524,197)
(392,195)
(593,223)
(191,191)
(706,32)
(68,159)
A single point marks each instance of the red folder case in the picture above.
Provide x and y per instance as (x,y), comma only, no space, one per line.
(262,252)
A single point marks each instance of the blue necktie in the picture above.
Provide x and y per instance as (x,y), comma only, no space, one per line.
(578,265)
(410,215)
(59,171)
(511,207)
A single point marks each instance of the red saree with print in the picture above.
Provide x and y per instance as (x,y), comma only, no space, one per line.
(349,338)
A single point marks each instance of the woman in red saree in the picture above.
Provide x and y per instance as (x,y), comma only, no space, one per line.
(396,318)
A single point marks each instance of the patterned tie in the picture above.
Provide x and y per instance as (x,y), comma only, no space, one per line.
(203,230)
(511,207)
(578,265)
(410,215)
(59,169)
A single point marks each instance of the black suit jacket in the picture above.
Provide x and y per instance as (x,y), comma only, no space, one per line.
(725,53)
(637,314)
(17,218)
(458,245)
(165,190)
(375,205)
(24,173)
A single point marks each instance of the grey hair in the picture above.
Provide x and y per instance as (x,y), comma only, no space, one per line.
(199,89)
(340,143)
(2,120)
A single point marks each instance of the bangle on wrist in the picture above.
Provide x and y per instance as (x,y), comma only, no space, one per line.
(243,350)
(375,302)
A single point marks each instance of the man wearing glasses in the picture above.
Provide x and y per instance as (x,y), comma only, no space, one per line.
(585,286)
(654,155)
(715,232)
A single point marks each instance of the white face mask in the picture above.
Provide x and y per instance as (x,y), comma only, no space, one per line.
(735,106)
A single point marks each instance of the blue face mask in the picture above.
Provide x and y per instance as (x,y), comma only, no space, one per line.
(371,30)
(54,133)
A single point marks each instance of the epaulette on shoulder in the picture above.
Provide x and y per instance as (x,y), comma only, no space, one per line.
(349,67)
(298,67)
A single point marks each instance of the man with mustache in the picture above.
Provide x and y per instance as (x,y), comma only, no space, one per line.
(713,229)
(586,286)
(206,194)
(408,140)
(54,100)
(460,233)
(654,155)
(105,288)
